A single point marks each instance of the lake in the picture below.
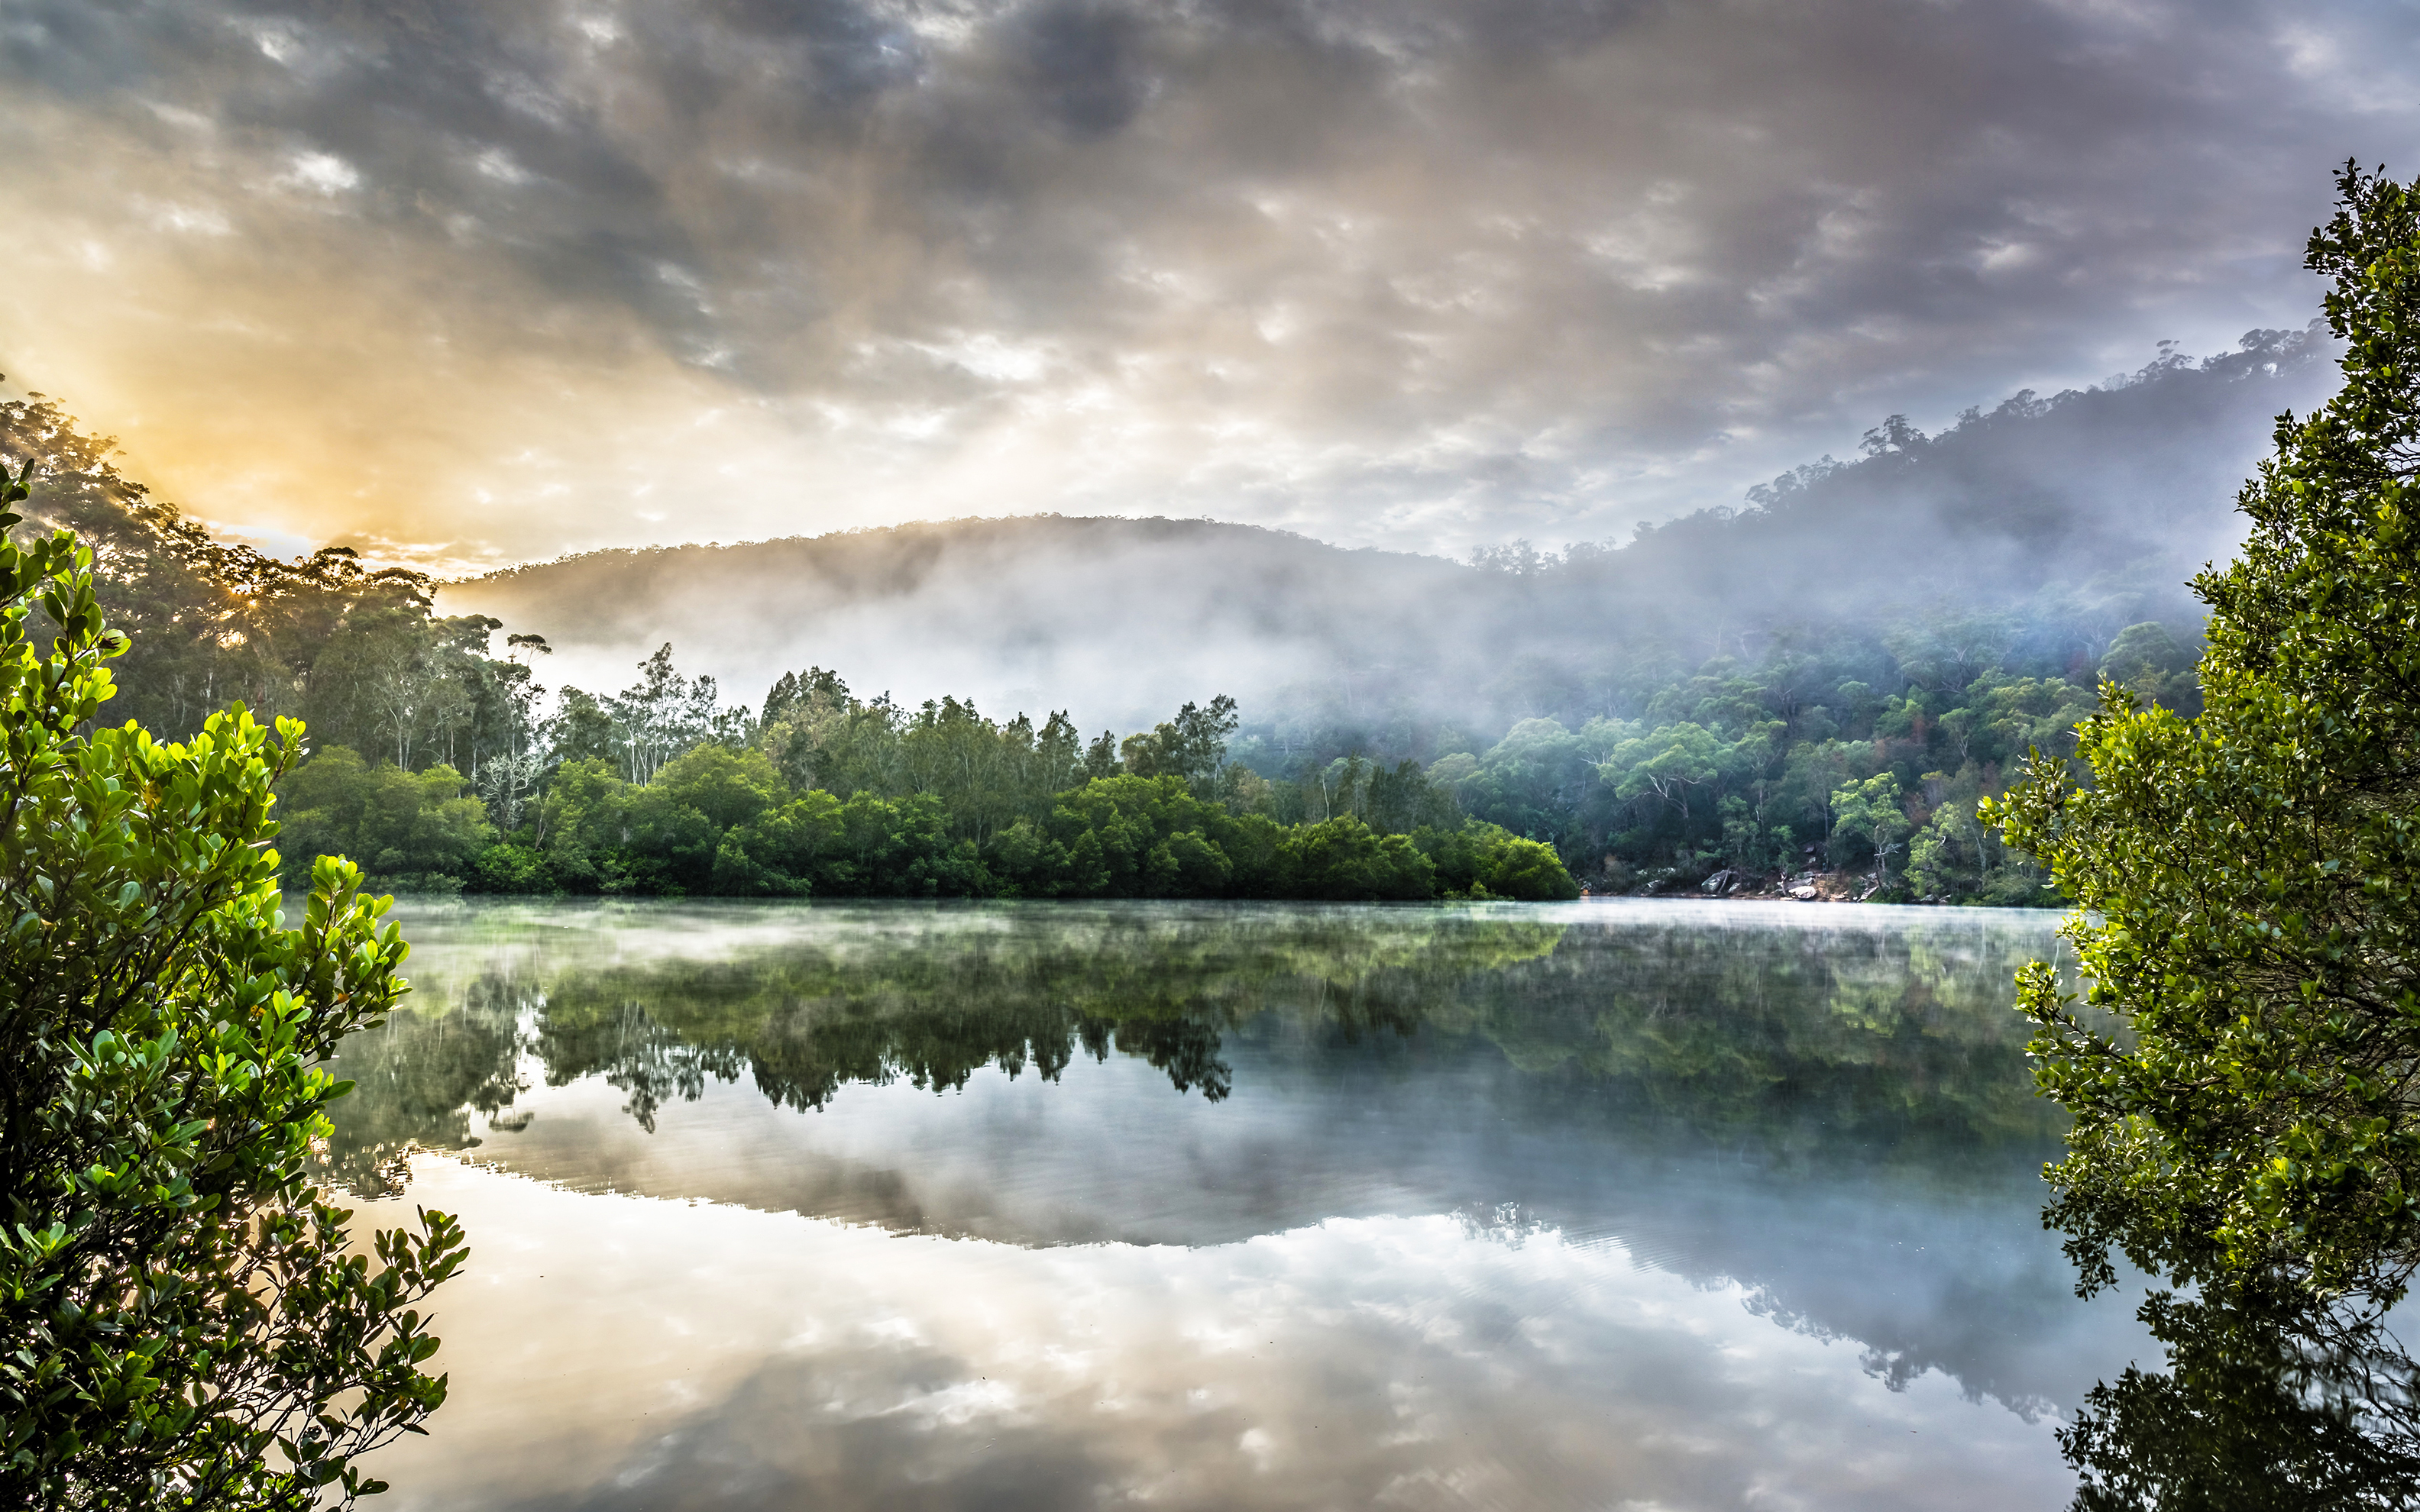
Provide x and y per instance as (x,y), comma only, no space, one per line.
(1614,1204)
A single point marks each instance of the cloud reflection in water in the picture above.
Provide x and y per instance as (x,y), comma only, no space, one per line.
(1668,1206)
(697,1356)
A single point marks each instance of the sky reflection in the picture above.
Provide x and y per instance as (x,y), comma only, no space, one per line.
(1664,1207)
(614,1352)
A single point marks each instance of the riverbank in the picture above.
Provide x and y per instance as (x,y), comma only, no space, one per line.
(1810,885)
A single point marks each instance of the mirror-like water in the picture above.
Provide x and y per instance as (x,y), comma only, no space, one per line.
(1651,1205)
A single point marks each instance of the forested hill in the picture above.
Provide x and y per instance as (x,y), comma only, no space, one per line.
(2090,508)
(2136,476)
(1116,618)
(1830,675)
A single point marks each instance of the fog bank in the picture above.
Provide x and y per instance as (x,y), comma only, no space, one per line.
(2110,495)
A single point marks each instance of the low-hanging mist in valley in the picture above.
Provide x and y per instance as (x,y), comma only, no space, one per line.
(1845,663)
(2085,512)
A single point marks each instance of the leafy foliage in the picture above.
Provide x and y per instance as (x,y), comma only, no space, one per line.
(182,1309)
(2241,1071)
(416,829)
(2251,879)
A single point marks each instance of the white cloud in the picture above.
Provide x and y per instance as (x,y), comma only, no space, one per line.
(322,173)
(1414,1361)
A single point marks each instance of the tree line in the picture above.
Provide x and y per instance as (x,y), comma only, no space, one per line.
(436,762)
(1868,754)
(661,789)
(359,655)
(441,761)
(1860,750)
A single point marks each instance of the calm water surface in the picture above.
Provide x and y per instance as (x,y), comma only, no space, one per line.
(1645,1205)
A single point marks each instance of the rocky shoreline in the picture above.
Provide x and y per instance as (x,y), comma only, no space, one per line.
(1810,885)
(1804,887)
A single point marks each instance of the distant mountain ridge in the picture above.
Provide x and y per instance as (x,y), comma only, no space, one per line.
(1118,617)
(2120,490)
(820,574)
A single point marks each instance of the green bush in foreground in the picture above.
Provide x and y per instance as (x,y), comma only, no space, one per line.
(183,1322)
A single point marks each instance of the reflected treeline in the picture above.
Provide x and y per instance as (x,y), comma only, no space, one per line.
(1021,990)
(1690,1018)
(421,1079)
(2263,1409)
(1885,1035)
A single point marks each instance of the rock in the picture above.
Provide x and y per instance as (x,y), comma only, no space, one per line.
(1805,892)
(1717,883)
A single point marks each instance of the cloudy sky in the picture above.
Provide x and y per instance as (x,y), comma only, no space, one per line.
(473,281)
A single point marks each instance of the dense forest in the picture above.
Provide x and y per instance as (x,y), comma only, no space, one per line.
(1827,741)
(437,767)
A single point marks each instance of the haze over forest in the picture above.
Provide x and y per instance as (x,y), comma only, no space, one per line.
(1111,732)
(2095,504)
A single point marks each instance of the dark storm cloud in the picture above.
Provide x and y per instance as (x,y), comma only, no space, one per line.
(500,279)
(1083,65)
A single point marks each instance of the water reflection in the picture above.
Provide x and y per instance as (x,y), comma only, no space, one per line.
(1708,1020)
(713,1357)
(1703,1205)
(2261,1407)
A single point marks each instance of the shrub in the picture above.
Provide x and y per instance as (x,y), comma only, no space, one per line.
(1344,859)
(186,1323)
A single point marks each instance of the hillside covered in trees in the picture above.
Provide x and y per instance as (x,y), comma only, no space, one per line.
(1826,678)
(2093,505)
(437,765)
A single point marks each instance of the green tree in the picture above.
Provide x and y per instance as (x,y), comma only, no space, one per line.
(408,830)
(1193,745)
(1870,812)
(1529,780)
(184,1324)
(1670,763)
(2249,881)
(584,821)
(1483,860)
(1344,861)
(729,787)
(357,652)
(1123,837)
(580,730)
